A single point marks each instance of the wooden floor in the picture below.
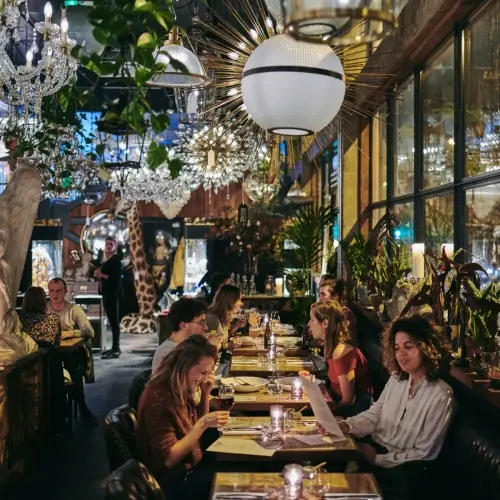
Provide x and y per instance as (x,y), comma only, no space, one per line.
(76,467)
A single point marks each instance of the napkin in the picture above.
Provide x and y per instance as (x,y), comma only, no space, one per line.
(310,439)
(233,445)
(291,361)
(237,397)
(242,432)
(244,361)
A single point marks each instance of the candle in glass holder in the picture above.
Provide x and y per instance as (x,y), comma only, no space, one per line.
(277,415)
(271,354)
(293,481)
(297,388)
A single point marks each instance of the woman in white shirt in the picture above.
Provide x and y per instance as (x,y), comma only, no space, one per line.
(410,419)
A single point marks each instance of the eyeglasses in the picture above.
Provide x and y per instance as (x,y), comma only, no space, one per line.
(201,323)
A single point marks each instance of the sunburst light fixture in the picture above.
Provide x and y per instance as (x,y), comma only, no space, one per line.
(248,27)
(214,156)
(324,21)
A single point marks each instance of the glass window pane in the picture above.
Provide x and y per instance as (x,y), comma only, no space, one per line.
(438,120)
(482,92)
(438,229)
(379,156)
(483,227)
(404,232)
(405,126)
(377,214)
(4,175)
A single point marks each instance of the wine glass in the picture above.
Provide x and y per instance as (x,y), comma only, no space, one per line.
(226,399)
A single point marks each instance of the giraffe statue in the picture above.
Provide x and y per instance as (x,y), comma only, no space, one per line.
(143,280)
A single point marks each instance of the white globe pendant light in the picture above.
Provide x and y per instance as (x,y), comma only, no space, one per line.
(291,87)
(322,20)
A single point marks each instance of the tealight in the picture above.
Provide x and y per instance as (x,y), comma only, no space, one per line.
(277,415)
(297,389)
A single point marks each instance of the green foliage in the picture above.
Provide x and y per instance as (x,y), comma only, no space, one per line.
(306,232)
(355,255)
(484,307)
(133,31)
(388,268)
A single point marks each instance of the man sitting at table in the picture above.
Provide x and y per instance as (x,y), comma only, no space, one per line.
(186,317)
(79,363)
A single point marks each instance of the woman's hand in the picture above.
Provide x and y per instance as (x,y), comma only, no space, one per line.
(216,340)
(214,420)
(239,323)
(98,274)
(207,385)
(69,334)
(343,427)
(368,452)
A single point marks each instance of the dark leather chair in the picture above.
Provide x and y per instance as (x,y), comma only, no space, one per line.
(119,428)
(137,388)
(133,481)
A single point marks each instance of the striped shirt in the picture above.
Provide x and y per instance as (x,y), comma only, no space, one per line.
(410,428)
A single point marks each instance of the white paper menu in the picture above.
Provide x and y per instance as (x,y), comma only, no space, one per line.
(320,408)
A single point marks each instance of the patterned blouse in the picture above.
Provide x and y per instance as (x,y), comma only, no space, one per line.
(44,329)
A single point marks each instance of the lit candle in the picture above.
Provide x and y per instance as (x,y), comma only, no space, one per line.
(297,388)
(449,249)
(418,260)
(48,14)
(64,30)
(292,474)
(278,287)
(277,415)
(29,58)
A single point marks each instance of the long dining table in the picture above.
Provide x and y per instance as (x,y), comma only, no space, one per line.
(255,366)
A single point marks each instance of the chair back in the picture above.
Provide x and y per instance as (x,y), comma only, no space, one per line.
(119,429)
(133,481)
(137,388)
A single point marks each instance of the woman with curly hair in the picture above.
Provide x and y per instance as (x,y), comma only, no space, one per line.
(410,419)
(347,367)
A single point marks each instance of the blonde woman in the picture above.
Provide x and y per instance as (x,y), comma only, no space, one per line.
(347,367)
(173,415)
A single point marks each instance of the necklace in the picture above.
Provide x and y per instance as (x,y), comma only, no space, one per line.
(411,394)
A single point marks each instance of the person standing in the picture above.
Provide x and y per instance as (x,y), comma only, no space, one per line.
(71,316)
(109,276)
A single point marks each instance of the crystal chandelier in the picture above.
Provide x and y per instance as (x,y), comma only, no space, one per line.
(45,72)
(146,184)
(214,156)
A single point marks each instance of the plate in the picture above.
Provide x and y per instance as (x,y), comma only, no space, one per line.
(256,383)
(246,341)
(286,382)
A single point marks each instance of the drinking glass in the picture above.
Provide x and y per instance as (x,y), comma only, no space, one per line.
(226,399)
(274,318)
(280,358)
(261,359)
(274,387)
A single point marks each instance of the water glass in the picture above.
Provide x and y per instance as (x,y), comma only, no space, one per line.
(274,387)
(261,359)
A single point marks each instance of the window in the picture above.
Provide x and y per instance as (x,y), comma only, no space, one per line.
(483,227)
(4,175)
(404,121)
(377,214)
(438,119)
(379,156)
(438,229)
(482,92)
(404,232)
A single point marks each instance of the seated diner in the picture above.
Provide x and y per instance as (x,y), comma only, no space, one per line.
(408,423)
(174,414)
(347,367)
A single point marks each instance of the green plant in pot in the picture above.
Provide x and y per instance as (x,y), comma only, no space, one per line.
(304,234)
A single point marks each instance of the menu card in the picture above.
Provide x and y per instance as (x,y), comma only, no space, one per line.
(320,409)
(240,447)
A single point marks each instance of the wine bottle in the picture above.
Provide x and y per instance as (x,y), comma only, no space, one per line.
(267,335)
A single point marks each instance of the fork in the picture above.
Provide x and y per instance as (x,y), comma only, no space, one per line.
(240,381)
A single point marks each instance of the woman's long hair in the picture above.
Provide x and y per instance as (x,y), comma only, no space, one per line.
(336,331)
(172,373)
(223,304)
(35,301)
